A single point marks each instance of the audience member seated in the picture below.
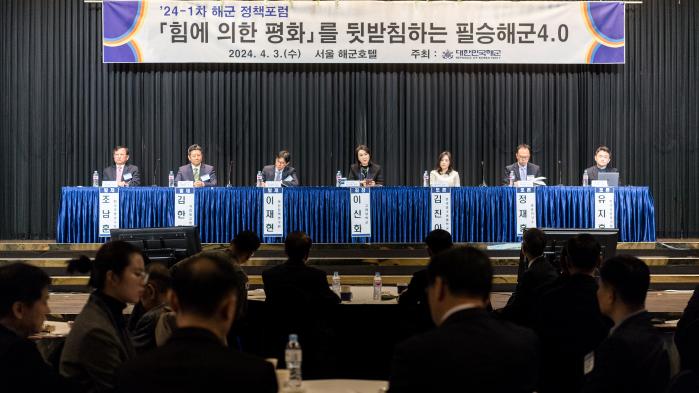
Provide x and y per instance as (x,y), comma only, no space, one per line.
(634,357)
(99,341)
(195,358)
(299,300)
(241,249)
(536,279)
(470,350)
(415,296)
(154,304)
(687,334)
(24,294)
(570,323)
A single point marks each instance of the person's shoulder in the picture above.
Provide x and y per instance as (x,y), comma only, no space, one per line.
(132,167)
(268,168)
(376,166)
(184,167)
(510,167)
(207,167)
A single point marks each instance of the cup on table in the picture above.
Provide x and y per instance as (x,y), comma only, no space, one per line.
(282,378)
(402,286)
(346,293)
(273,361)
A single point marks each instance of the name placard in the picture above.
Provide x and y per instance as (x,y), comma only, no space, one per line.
(604,207)
(440,213)
(184,206)
(273,212)
(109,210)
(360,211)
(525,209)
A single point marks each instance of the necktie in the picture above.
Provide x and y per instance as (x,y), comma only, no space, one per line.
(196,174)
(523,173)
(119,171)
(277,176)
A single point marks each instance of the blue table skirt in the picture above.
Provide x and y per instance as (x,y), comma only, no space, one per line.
(398,214)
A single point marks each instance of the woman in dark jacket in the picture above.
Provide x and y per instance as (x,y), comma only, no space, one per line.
(365,170)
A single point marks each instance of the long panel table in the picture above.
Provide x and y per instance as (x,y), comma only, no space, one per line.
(398,214)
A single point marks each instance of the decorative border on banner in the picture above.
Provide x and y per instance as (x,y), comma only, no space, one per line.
(113,48)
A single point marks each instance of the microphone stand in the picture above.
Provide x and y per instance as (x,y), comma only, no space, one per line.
(230,171)
(483,183)
(560,173)
(155,171)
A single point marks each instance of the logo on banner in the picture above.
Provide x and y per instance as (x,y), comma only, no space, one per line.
(604,207)
(440,213)
(109,210)
(360,211)
(525,209)
(273,212)
(184,207)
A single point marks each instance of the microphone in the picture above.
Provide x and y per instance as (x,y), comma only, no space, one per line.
(230,172)
(483,183)
(155,171)
(560,173)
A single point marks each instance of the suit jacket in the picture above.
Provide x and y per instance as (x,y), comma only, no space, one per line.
(532,170)
(195,360)
(185,173)
(143,330)
(297,283)
(593,172)
(374,173)
(268,175)
(687,334)
(633,358)
(570,325)
(109,174)
(22,369)
(470,352)
(96,346)
(537,279)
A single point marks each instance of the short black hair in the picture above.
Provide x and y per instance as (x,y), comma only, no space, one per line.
(464,270)
(603,148)
(160,275)
(438,240)
(246,241)
(20,282)
(195,147)
(583,252)
(116,148)
(114,255)
(201,282)
(630,278)
(284,155)
(534,241)
(523,146)
(297,245)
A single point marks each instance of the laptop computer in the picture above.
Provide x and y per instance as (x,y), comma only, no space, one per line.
(612,178)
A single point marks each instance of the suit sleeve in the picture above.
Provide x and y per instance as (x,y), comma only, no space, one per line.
(294,179)
(607,368)
(518,305)
(212,178)
(351,175)
(328,296)
(106,175)
(378,177)
(100,359)
(457,180)
(136,179)
(179,176)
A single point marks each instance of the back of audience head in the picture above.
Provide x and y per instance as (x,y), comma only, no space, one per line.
(583,254)
(157,287)
(24,294)
(244,245)
(624,282)
(118,270)
(533,243)
(205,292)
(457,276)
(437,241)
(298,246)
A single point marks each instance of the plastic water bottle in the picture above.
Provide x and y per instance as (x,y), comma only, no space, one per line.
(336,283)
(586,179)
(95,179)
(171,180)
(293,357)
(338,179)
(512,178)
(426,179)
(259,178)
(377,286)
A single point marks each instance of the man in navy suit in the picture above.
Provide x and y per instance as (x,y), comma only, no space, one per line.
(124,174)
(281,171)
(201,174)
(522,168)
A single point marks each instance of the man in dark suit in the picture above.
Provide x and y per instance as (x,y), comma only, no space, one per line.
(300,301)
(470,351)
(414,298)
(124,174)
(602,158)
(569,322)
(195,358)
(634,357)
(281,171)
(537,278)
(522,168)
(152,305)
(24,293)
(201,174)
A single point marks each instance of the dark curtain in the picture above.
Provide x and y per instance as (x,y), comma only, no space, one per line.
(62,111)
